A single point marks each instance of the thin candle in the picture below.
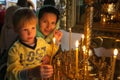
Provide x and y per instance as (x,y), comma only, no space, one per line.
(77,43)
(114,62)
(82,40)
(84,48)
(84,51)
(85,61)
(52,50)
(70,37)
(54,40)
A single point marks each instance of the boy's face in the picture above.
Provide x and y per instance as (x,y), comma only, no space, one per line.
(27,33)
(47,23)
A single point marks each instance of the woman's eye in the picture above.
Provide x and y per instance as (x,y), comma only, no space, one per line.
(33,27)
(53,23)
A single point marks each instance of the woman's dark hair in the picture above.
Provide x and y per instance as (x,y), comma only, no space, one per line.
(49,2)
(48,9)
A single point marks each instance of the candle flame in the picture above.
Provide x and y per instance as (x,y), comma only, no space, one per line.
(70,29)
(115,52)
(54,40)
(104,20)
(84,48)
(82,36)
(77,43)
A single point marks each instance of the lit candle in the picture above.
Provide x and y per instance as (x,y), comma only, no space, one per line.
(84,52)
(82,40)
(113,63)
(70,39)
(104,20)
(52,50)
(85,61)
(54,40)
(115,53)
(77,43)
(112,17)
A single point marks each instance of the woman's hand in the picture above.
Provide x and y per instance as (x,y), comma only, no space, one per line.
(58,35)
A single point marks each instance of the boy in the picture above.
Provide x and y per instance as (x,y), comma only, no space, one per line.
(26,55)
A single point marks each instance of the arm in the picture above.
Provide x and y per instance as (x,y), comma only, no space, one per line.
(58,35)
(13,64)
(17,71)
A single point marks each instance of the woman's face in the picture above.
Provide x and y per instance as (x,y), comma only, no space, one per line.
(47,23)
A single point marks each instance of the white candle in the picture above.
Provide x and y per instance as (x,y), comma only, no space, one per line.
(77,43)
(70,37)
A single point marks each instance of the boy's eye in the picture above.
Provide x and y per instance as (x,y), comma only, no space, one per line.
(24,29)
(44,21)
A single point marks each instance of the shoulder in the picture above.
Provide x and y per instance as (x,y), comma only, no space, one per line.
(16,46)
(40,39)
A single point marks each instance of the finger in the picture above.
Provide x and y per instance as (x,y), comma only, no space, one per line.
(45,62)
(47,66)
(47,73)
(47,76)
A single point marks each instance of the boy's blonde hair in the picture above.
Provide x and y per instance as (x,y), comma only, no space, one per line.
(22,17)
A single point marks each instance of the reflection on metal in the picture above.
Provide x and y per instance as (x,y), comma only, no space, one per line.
(109,13)
(62,7)
(70,14)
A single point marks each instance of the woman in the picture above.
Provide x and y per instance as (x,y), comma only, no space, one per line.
(48,18)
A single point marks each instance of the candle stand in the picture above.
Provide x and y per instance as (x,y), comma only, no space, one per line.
(91,68)
(84,66)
